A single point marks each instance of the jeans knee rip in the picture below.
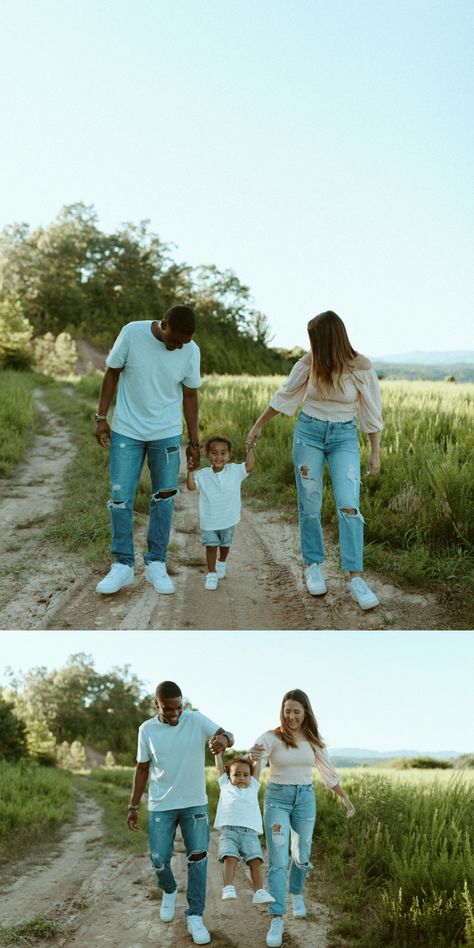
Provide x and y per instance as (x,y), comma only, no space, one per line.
(166,494)
(117,504)
(353,516)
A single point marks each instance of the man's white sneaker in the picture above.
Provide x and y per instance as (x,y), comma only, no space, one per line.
(220,569)
(211,581)
(119,575)
(315,580)
(299,908)
(261,897)
(275,932)
(167,907)
(197,930)
(158,577)
(228,892)
(362,594)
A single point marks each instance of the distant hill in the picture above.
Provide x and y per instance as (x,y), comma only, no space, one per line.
(412,371)
(357,756)
(418,357)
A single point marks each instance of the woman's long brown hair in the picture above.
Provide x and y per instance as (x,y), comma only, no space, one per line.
(331,351)
(309,727)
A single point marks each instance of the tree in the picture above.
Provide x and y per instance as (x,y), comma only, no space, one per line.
(15,332)
(12,732)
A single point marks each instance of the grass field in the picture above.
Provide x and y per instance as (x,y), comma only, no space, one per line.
(16,416)
(419,510)
(33,800)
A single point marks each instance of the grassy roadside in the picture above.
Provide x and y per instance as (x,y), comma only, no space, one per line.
(111,788)
(17,415)
(33,800)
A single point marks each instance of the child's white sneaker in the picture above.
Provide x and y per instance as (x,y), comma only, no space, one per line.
(211,581)
(198,930)
(299,908)
(261,897)
(228,892)
(220,569)
(275,932)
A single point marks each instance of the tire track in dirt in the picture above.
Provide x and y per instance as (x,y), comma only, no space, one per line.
(111,899)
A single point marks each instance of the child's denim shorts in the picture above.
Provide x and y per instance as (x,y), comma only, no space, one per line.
(240,842)
(217,537)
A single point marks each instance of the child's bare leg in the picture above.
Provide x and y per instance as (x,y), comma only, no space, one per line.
(223,553)
(256,874)
(211,558)
(228,869)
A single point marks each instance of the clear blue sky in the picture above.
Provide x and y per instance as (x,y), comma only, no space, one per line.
(321,150)
(384,691)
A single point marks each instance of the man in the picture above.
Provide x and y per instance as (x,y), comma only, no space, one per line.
(173,742)
(158,367)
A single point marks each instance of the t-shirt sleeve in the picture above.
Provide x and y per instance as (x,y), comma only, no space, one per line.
(255,784)
(242,473)
(223,780)
(198,476)
(292,393)
(118,354)
(143,750)
(208,727)
(193,374)
(328,773)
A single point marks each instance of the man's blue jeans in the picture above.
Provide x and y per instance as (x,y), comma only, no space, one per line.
(194,824)
(289,811)
(127,456)
(337,442)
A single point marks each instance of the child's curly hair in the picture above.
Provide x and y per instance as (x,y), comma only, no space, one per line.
(217,437)
(239,760)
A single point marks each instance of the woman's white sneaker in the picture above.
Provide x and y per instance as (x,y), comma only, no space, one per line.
(315,580)
(197,930)
(262,897)
(119,575)
(168,903)
(211,581)
(364,596)
(275,932)
(228,892)
(299,908)
(157,575)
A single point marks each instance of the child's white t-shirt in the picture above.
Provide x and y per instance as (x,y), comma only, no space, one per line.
(219,496)
(150,392)
(238,806)
(176,757)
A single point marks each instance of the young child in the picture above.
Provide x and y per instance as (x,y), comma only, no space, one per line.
(219,502)
(239,820)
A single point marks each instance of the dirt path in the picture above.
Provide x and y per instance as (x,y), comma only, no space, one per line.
(106,898)
(43,588)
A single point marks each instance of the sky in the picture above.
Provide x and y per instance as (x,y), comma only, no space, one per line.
(322,151)
(381,691)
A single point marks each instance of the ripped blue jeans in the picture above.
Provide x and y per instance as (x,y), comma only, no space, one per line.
(127,456)
(337,442)
(194,824)
(289,814)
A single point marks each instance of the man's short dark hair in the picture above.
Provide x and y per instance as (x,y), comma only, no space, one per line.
(181,318)
(168,689)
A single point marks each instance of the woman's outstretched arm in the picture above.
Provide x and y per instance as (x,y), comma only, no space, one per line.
(339,789)
(256,431)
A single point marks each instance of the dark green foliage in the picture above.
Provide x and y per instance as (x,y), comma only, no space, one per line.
(12,733)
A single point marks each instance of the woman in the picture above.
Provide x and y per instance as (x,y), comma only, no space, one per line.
(292,749)
(335,383)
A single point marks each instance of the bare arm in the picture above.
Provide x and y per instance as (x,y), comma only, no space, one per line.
(219,764)
(107,392)
(341,793)
(249,460)
(373,466)
(256,431)
(191,483)
(257,767)
(191,417)
(140,779)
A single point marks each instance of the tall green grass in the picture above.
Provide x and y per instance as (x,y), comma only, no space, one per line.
(33,800)
(16,416)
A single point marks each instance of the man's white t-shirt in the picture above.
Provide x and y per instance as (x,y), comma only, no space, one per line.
(219,496)
(150,391)
(176,756)
(238,806)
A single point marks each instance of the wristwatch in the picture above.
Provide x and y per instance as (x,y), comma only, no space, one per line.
(100,417)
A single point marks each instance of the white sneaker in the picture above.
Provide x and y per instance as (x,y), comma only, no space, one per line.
(211,581)
(362,594)
(228,892)
(119,575)
(167,907)
(275,932)
(299,908)
(315,580)
(158,577)
(220,569)
(261,897)
(198,931)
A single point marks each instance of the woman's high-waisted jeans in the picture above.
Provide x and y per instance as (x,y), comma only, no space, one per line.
(127,456)
(289,811)
(313,441)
